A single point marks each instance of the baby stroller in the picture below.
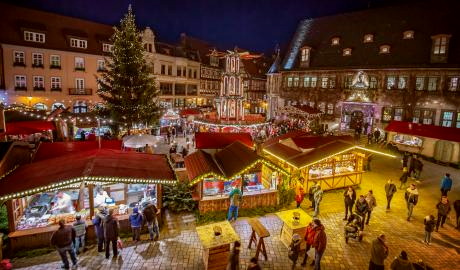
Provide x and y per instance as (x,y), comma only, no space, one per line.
(353,228)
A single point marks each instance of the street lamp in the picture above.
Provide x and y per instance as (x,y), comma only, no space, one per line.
(30,100)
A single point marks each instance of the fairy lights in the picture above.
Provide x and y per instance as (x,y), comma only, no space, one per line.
(231,125)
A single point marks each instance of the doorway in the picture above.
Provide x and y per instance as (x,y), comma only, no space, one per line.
(356,119)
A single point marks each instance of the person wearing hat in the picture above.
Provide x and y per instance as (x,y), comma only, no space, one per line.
(80,233)
(135,220)
(294,249)
(402,262)
(379,252)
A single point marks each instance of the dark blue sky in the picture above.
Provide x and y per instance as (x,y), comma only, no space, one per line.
(251,24)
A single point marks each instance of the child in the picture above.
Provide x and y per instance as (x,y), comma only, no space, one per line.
(294,249)
(430,223)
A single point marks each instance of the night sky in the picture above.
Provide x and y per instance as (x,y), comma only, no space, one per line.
(256,25)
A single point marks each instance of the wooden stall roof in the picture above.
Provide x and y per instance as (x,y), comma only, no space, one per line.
(320,153)
(430,131)
(291,134)
(56,149)
(94,165)
(220,140)
(235,158)
(200,163)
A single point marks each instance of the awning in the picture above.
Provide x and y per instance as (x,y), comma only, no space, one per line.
(28,127)
(187,112)
(220,140)
(97,166)
(430,131)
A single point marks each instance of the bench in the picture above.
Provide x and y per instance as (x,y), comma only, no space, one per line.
(262,232)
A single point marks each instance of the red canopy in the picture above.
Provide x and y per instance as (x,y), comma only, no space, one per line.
(430,131)
(187,112)
(56,149)
(219,140)
(28,127)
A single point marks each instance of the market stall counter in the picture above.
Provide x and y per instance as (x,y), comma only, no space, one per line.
(294,221)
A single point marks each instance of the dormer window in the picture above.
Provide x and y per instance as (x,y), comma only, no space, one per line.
(440,48)
(368,38)
(148,47)
(305,56)
(347,52)
(78,43)
(384,49)
(335,41)
(34,37)
(107,47)
(408,34)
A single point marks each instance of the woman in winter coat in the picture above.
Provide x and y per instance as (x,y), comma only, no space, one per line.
(294,249)
(309,240)
(429,228)
(402,262)
(370,199)
(349,200)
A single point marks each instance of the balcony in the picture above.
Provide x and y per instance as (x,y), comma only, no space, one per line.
(20,88)
(56,89)
(55,66)
(37,65)
(79,68)
(39,88)
(80,91)
(19,64)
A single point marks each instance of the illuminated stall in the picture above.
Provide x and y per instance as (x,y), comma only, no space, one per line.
(39,194)
(333,161)
(235,166)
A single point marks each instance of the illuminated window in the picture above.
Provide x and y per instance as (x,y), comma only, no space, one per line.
(40,106)
(368,38)
(39,83)
(347,52)
(107,47)
(37,60)
(79,63)
(324,82)
(384,49)
(373,82)
(55,61)
(78,43)
(453,84)
(309,81)
(305,56)
(387,114)
(330,109)
(19,58)
(322,107)
(420,83)
(397,82)
(432,84)
(55,83)
(447,118)
(296,81)
(335,41)
(34,36)
(440,44)
(408,34)
(289,81)
(427,117)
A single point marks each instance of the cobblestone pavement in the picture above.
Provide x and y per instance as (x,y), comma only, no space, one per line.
(179,247)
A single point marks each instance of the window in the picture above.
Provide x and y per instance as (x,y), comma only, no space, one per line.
(348,81)
(170,70)
(37,60)
(80,107)
(305,55)
(166,88)
(322,107)
(148,47)
(391,82)
(55,61)
(453,84)
(179,89)
(79,63)
(100,65)
(396,82)
(296,81)
(416,116)
(34,36)
(55,83)
(457,125)
(107,47)
(408,34)
(309,82)
(39,83)
(324,82)
(289,81)
(195,74)
(20,82)
(330,109)
(384,49)
(373,82)
(19,58)
(368,38)
(192,89)
(178,71)
(402,82)
(80,83)
(346,52)
(387,114)
(398,114)
(420,83)
(163,69)
(335,41)
(40,106)
(78,43)
(447,118)
(432,84)
(440,44)
(214,61)
(427,117)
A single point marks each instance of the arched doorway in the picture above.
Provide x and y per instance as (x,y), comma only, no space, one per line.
(357,118)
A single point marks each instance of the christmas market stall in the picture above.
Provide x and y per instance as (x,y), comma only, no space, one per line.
(235,166)
(440,143)
(39,194)
(333,161)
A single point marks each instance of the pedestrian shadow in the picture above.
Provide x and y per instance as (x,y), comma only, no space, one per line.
(151,250)
(446,241)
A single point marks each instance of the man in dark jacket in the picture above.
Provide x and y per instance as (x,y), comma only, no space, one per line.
(411,197)
(98,222)
(62,239)
(390,190)
(379,252)
(349,200)
(402,262)
(110,234)
(418,167)
(150,217)
(319,243)
(361,209)
(443,210)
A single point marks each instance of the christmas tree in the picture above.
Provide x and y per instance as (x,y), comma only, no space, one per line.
(128,89)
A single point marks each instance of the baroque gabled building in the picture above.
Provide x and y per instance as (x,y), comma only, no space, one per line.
(393,63)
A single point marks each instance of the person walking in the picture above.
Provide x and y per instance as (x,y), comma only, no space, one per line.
(379,252)
(429,228)
(311,194)
(446,184)
(403,178)
(80,233)
(370,199)
(135,220)
(110,234)
(300,194)
(254,264)
(405,159)
(349,200)
(318,196)
(309,241)
(443,210)
(390,190)
(319,242)
(418,168)
(235,199)
(411,165)
(361,208)
(150,217)
(457,213)
(411,197)
(234,258)
(62,239)
(98,222)
(402,262)
(376,135)
(294,249)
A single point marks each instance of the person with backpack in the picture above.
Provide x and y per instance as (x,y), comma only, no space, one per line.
(80,233)
(235,200)
(135,220)
(111,234)
(294,249)
(430,223)
(411,197)
(98,222)
(150,217)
